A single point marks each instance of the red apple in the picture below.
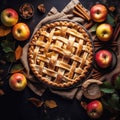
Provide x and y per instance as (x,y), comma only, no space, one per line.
(98,13)
(9,17)
(21,31)
(103,58)
(104,32)
(17,81)
(94,109)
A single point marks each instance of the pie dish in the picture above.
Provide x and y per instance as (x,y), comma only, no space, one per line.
(60,54)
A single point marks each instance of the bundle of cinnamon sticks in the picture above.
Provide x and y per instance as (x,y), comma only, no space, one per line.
(80,11)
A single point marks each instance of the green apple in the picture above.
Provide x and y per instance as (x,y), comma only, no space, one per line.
(104,32)
(17,81)
(21,31)
(9,17)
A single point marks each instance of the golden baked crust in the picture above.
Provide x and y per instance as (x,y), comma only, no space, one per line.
(60,54)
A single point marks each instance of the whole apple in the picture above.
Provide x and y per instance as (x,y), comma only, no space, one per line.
(98,13)
(94,109)
(9,17)
(21,31)
(104,32)
(17,81)
(103,58)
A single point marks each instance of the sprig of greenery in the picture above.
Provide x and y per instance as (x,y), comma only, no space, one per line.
(111,96)
(8,47)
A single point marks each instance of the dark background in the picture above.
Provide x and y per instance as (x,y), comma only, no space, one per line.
(14,105)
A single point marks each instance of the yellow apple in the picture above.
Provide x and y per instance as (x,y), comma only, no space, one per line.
(21,31)
(104,32)
(9,17)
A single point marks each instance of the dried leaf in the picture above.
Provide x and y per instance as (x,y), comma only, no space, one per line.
(16,68)
(1,71)
(4,31)
(36,102)
(1,92)
(83,104)
(112,8)
(50,103)
(1,83)
(18,52)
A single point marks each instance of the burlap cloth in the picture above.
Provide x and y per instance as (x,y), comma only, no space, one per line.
(35,85)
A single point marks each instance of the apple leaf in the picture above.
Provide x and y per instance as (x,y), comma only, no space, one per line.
(104,101)
(110,20)
(114,101)
(117,82)
(8,43)
(36,102)
(93,28)
(7,49)
(16,68)
(10,57)
(106,87)
(50,103)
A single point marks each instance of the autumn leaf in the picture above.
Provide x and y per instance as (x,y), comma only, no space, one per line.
(36,102)
(50,103)
(16,68)
(18,52)
(1,82)
(4,31)
(1,92)
(83,104)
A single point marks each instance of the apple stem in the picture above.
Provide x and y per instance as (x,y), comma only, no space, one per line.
(19,81)
(9,15)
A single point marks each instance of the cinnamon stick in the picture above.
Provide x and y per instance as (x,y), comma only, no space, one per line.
(116,32)
(88,25)
(81,11)
(79,14)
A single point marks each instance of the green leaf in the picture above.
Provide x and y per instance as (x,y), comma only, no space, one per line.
(114,102)
(110,20)
(93,28)
(107,90)
(16,68)
(10,57)
(117,82)
(8,43)
(7,49)
(104,101)
(106,87)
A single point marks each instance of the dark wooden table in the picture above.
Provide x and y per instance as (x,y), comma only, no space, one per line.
(14,105)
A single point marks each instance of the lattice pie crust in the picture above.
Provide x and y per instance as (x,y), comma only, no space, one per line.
(60,54)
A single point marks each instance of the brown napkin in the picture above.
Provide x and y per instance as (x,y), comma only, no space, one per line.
(35,85)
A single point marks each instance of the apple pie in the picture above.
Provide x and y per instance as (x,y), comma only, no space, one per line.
(60,54)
